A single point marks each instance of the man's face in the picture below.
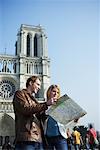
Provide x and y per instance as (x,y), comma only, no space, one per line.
(36,86)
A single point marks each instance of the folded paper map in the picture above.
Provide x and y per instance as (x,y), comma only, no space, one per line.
(66,110)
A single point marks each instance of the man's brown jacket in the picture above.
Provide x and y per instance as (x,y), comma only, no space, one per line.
(26,108)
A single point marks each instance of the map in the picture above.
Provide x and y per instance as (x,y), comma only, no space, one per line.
(66,110)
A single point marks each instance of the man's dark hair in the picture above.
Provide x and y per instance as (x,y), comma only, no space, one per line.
(33,79)
(90,126)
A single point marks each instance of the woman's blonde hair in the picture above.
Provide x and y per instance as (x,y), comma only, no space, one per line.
(51,88)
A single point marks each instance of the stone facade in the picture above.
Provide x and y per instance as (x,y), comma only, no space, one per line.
(31,58)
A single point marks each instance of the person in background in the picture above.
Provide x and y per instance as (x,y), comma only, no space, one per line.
(87,142)
(27,109)
(7,146)
(77,139)
(69,139)
(92,135)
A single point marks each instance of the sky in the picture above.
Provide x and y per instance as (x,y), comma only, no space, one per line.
(73,31)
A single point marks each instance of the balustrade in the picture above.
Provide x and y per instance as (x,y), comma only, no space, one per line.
(8,64)
(6,107)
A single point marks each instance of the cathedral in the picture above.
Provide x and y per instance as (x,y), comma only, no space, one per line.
(31,58)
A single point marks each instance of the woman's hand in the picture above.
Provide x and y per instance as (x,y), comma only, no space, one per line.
(51,101)
(76,120)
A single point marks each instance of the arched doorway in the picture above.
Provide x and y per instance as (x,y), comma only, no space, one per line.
(7,129)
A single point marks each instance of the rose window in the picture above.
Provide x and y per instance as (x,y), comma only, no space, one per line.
(7,89)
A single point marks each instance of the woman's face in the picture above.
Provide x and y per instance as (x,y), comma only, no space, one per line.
(54,93)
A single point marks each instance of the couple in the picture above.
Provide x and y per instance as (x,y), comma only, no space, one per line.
(28,115)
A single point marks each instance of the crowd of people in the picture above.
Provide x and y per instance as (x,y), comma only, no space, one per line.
(35,130)
(90,140)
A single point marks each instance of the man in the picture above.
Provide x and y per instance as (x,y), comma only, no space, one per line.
(92,137)
(77,139)
(27,109)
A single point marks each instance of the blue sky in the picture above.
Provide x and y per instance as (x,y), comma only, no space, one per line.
(73,32)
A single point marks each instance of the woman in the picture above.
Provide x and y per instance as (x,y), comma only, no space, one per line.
(56,139)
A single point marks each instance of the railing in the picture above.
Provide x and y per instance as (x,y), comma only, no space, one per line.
(6,107)
(8,64)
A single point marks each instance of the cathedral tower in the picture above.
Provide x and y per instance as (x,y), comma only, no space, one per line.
(31,49)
